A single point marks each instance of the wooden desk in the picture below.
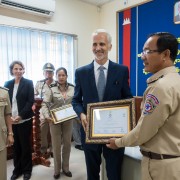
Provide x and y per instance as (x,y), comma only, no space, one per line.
(138,100)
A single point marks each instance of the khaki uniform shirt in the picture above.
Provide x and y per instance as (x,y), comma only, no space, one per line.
(158,129)
(5,109)
(53,98)
(40,88)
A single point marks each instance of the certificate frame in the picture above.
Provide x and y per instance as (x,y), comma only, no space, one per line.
(125,108)
(177,12)
(66,110)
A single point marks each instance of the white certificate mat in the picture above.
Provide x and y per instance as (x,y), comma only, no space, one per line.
(110,121)
(63,113)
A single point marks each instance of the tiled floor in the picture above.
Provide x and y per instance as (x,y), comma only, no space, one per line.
(40,172)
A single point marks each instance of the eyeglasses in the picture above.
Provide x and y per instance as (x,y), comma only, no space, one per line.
(148,51)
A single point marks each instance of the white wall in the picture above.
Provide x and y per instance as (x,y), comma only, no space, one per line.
(75,17)
(108,19)
(71,16)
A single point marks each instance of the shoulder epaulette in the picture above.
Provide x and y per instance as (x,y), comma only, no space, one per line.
(53,85)
(4,88)
(156,79)
(41,80)
(69,84)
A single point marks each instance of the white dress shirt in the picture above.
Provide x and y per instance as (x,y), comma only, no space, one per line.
(97,71)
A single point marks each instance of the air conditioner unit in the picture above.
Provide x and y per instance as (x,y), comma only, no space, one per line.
(39,7)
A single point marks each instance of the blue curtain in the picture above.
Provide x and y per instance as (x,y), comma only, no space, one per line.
(34,48)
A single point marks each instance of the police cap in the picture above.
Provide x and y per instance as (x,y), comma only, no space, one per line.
(48,67)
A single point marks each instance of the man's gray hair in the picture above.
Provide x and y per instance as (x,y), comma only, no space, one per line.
(96,32)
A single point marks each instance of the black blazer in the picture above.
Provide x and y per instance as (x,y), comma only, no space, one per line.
(25,96)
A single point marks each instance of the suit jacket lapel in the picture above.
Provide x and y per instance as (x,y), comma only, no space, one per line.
(92,80)
(11,87)
(109,79)
(21,84)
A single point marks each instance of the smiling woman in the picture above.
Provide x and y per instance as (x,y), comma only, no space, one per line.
(21,93)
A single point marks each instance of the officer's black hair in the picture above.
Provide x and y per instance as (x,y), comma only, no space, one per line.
(61,68)
(167,41)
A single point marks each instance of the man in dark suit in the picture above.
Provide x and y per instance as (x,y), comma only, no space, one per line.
(86,91)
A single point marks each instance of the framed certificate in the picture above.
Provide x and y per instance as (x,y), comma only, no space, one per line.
(177,12)
(109,119)
(63,113)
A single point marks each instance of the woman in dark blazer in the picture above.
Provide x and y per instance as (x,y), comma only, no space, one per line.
(21,93)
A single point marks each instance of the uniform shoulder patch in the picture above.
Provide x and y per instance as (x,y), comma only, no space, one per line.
(43,80)
(155,79)
(4,88)
(69,84)
(151,103)
(53,85)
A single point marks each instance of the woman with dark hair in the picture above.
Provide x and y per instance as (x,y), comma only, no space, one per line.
(59,94)
(21,93)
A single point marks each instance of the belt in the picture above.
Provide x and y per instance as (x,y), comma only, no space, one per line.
(153,155)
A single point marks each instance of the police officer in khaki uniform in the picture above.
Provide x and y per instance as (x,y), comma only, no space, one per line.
(6,134)
(158,129)
(40,88)
(59,94)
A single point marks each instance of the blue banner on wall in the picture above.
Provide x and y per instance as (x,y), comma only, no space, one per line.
(155,16)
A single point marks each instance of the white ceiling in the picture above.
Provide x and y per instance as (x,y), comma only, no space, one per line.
(97,2)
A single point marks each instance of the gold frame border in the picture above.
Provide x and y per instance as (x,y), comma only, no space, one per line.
(128,103)
(54,117)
